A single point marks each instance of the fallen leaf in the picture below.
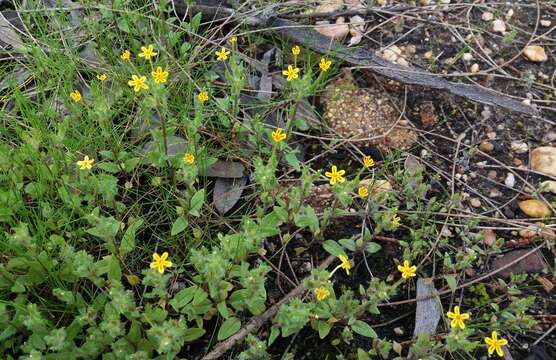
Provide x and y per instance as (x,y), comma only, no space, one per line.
(427,113)
(356,29)
(175,144)
(534,263)
(546,284)
(428,311)
(8,35)
(226,169)
(412,165)
(227,193)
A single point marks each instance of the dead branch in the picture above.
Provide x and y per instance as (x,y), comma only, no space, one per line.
(307,36)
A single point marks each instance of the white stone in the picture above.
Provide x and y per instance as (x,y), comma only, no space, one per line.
(510,180)
(467,57)
(499,26)
(545,23)
(474,68)
(519,147)
(487,16)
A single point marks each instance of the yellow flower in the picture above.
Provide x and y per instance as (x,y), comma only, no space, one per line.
(457,318)
(138,83)
(86,163)
(324,64)
(278,135)
(233,40)
(292,73)
(396,220)
(335,175)
(75,95)
(126,55)
(345,263)
(147,52)
(322,293)
(495,344)
(368,161)
(407,270)
(189,159)
(203,96)
(159,75)
(296,50)
(160,262)
(222,55)
(363,192)
(102,77)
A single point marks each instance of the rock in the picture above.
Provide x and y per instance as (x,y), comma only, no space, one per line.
(546,23)
(509,14)
(486,147)
(543,160)
(499,26)
(531,264)
(336,31)
(399,331)
(492,174)
(510,180)
(225,169)
(535,53)
(490,237)
(494,193)
(474,68)
(476,203)
(548,186)
(487,16)
(227,192)
(534,208)
(467,57)
(519,147)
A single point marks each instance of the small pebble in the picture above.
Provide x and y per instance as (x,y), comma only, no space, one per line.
(399,331)
(427,55)
(473,175)
(510,180)
(474,68)
(509,14)
(487,16)
(491,135)
(467,57)
(481,164)
(486,147)
(517,162)
(519,147)
(545,23)
(494,193)
(486,113)
(499,26)
(476,203)
(492,174)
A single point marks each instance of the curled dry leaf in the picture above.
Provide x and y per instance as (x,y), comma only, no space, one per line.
(356,29)
(227,192)
(336,31)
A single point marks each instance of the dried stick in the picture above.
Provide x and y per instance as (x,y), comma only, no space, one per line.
(259,321)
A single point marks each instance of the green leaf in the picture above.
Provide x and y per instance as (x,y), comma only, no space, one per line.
(452,283)
(109,167)
(223,309)
(106,228)
(373,247)
(123,25)
(274,332)
(324,328)
(348,244)
(192,334)
(333,248)
(128,240)
(228,328)
(179,225)
(362,354)
(362,328)
(292,160)
(197,202)
(183,297)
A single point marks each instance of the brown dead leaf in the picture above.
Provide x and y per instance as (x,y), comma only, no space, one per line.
(531,264)
(490,237)
(356,29)
(546,284)
(326,6)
